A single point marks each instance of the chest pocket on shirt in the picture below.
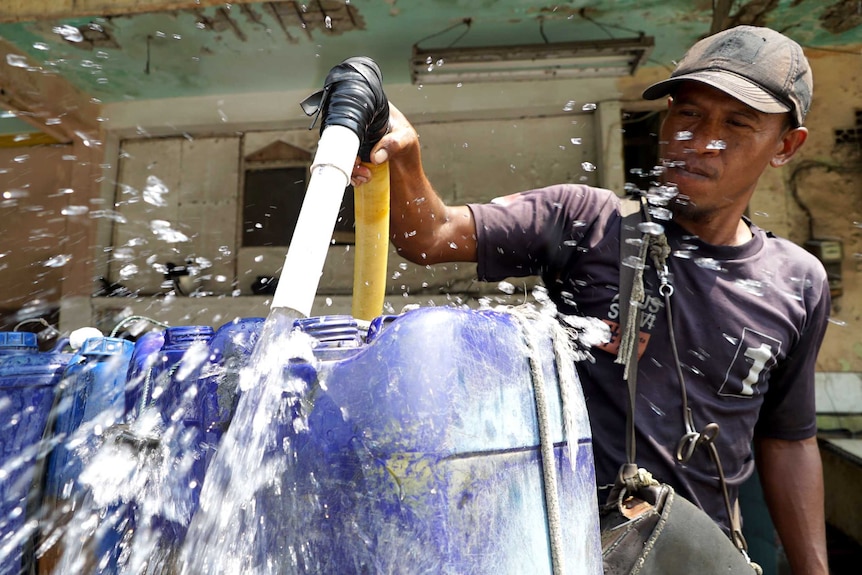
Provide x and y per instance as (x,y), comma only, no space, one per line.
(748,372)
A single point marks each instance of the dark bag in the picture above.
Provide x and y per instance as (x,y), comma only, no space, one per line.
(655,531)
(646,527)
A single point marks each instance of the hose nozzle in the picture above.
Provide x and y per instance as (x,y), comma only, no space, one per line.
(352,97)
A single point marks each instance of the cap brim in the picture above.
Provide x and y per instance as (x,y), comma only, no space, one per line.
(738,87)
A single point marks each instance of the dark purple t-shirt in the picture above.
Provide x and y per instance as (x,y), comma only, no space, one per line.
(748,322)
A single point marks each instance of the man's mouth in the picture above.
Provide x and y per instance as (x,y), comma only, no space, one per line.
(684,169)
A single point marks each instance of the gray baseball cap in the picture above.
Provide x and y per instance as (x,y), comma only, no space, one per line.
(758,66)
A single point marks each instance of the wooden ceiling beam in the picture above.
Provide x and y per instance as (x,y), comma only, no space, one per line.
(31,10)
(45,100)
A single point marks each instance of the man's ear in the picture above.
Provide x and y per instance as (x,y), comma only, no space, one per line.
(791,141)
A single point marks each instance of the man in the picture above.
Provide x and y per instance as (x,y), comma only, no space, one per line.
(749,309)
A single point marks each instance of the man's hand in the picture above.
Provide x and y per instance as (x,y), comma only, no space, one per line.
(400,137)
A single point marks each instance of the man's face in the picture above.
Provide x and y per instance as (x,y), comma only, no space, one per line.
(716,147)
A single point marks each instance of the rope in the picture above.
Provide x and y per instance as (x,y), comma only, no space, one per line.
(630,336)
(549,469)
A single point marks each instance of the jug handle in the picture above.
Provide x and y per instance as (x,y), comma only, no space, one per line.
(61,344)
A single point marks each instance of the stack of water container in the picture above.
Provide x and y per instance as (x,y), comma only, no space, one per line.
(418,439)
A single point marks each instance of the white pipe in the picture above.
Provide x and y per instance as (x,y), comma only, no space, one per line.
(330,175)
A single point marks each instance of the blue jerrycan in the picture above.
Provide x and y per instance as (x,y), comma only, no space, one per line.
(417,449)
(28,382)
(218,380)
(91,400)
(162,395)
(144,357)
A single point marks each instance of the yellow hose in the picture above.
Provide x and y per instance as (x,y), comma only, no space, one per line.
(372,243)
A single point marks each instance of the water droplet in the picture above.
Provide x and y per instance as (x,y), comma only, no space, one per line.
(570,105)
(69,33)
(576,141)
(110,215)
(155,192)
(15,194)
(761,214)
(328,22)
(683,135)
(21,159)
(590,107)
(17,61)
(506,287)
(162,229)
(86,140)
(41,46)
(258,259)
(57,261)
(74,210)
(717,145)
(753,287)
(650,228)
(128,271)
(661,213)
(588,167)
(709,264)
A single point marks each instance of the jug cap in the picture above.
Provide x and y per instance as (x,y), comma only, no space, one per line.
(18,340)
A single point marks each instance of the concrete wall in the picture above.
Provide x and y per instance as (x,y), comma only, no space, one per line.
(479,141)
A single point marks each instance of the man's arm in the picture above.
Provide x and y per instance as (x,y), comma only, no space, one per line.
(792,477)
(422,227)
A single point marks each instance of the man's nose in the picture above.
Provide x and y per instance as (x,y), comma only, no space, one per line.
(707,138)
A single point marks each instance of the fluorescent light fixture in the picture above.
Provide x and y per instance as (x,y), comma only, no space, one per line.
(588,59)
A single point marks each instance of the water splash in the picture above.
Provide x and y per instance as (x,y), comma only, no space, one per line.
(155,191)
(68,33)
(163,230)
(17,61)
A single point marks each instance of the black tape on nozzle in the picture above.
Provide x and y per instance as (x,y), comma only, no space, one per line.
(352,97)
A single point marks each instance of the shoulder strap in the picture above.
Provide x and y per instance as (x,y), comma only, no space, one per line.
(627,353)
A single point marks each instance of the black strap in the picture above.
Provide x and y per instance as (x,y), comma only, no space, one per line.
(629,234)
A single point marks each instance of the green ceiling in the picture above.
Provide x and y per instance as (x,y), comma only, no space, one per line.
(273,46)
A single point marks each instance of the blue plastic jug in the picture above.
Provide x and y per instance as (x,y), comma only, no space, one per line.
(164,393)
(218,380)
(91,401)
(28,381)
(144,357)
(92,394)
(416,450)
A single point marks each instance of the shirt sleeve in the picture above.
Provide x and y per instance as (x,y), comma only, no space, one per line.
(530,232)
(789,410)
